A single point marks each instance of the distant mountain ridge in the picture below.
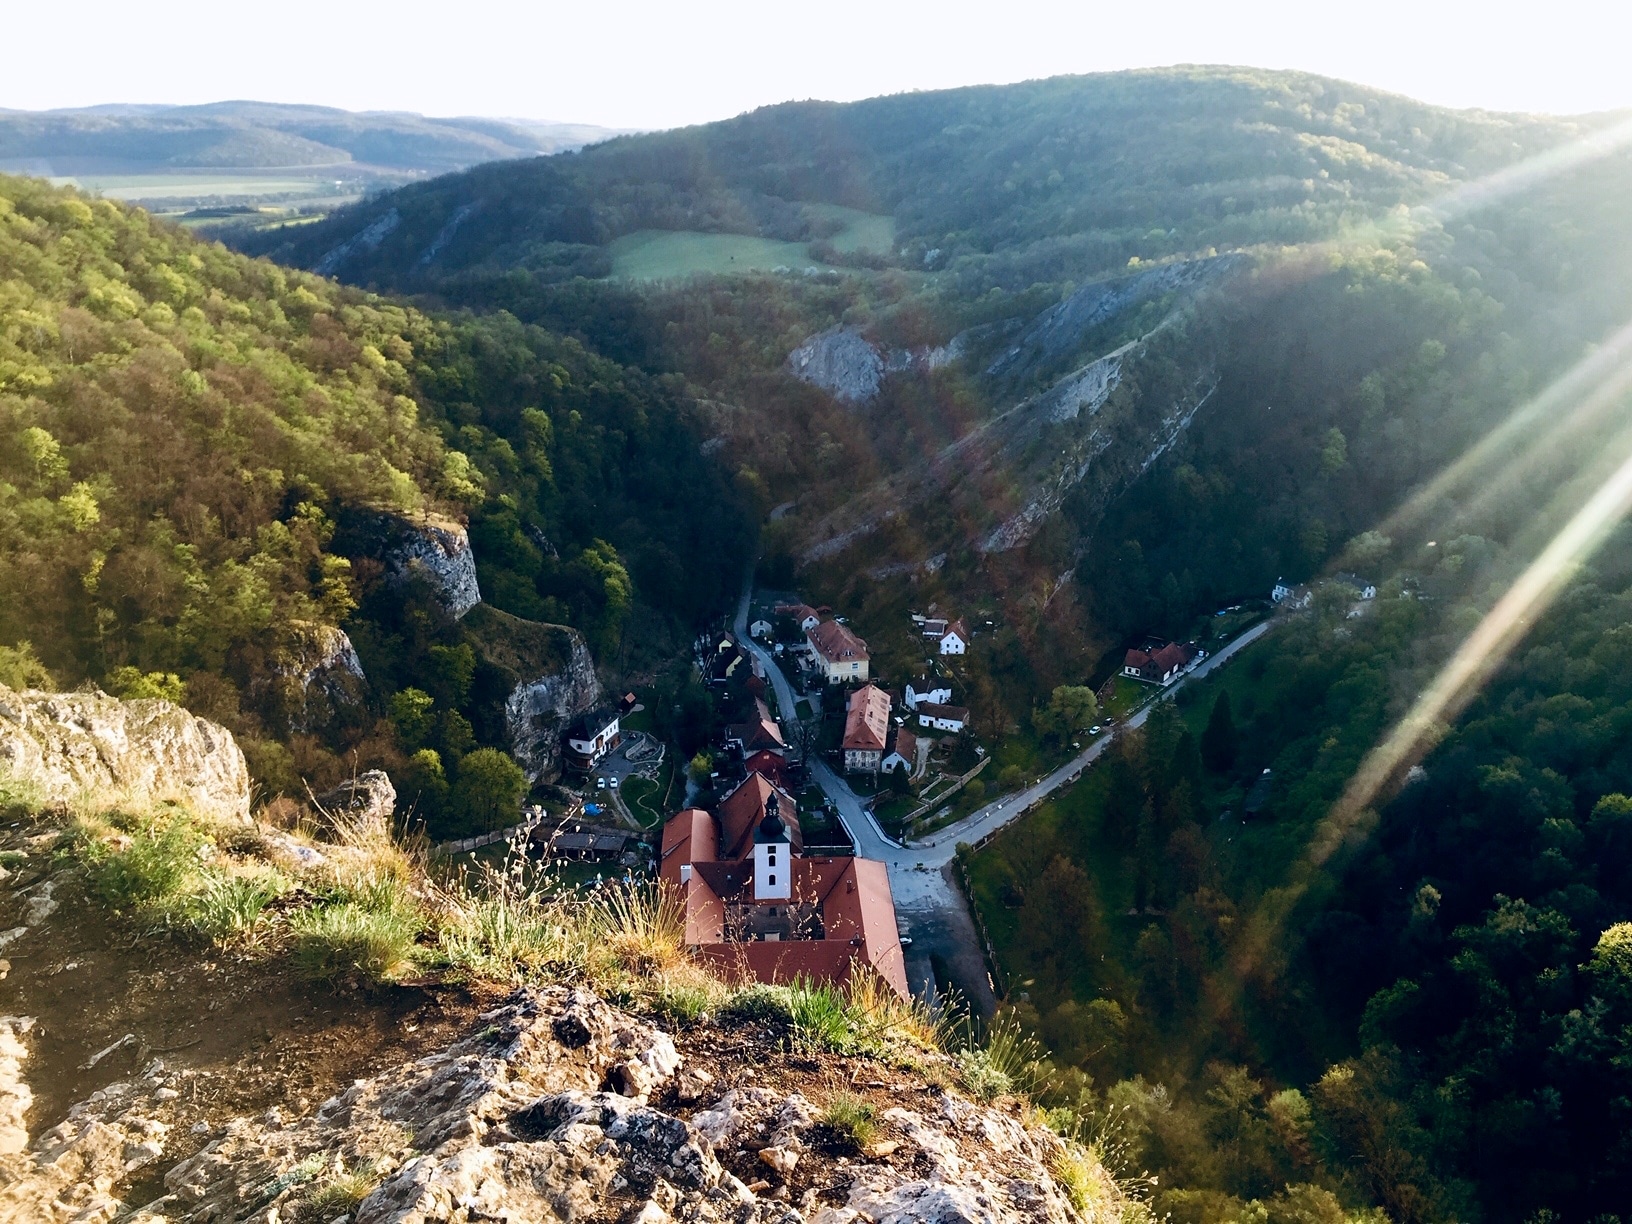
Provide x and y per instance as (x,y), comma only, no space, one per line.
(249,135)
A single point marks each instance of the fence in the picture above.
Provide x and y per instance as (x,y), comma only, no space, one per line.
(950,793)
(1000,980)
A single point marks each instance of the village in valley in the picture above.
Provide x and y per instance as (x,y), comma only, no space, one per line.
(773,836)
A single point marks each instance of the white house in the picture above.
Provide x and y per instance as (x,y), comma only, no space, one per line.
(927,688)
(1293,596)
(955,641)
(942,717)
(761,628)
(1368,590)
(590,738)
(903,753)
(805,616)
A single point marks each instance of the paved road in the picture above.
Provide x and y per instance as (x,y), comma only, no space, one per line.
(930,906)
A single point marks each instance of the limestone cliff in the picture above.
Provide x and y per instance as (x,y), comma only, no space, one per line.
(440,551)
(551,677)
(316,676)
(61,747)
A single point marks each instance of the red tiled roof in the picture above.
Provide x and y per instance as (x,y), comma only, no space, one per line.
(943,711)
(800,612)
(773,765)
(1136,659)
(867,724)
(741,811)
(959,628)
(690,836)
(906,744)
(858,921)
(1170,657)
(836,643)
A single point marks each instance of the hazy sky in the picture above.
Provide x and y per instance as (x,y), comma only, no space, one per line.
(631,63)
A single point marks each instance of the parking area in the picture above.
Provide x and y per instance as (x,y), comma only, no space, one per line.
(639,753)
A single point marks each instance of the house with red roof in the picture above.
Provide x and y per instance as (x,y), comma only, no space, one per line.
(866,730)
(756,907)
(840,655)
(955,639)
(1160,665)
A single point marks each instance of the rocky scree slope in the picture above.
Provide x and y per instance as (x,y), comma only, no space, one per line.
(1079,423)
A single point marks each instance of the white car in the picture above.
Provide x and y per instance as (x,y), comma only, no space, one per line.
(613,784)
(600,783)
(1094,730)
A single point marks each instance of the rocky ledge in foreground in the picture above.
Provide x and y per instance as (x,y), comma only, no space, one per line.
(557,1107)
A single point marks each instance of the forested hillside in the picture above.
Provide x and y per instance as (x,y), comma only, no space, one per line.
(187,434)
(1275,400)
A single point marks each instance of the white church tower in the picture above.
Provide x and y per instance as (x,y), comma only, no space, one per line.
(773,856)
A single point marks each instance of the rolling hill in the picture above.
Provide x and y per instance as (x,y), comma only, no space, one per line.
(225,154)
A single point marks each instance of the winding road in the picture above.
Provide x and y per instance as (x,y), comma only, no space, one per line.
(929,905)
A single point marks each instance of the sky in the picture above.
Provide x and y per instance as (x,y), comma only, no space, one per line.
(637,64)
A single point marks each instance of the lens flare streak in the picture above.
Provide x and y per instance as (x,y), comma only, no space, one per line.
(1479,656)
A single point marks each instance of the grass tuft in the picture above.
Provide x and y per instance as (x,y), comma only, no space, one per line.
(853,1118)
(341,1194)
(346,940)
(157,860)
(1007,1063)
(230,907)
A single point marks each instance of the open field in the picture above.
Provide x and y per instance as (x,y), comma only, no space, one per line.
(649,255)
(181,188)
(676,254)
(862,231)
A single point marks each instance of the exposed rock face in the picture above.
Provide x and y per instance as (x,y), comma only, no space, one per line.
(364,240)
(848,366)
(841,362)
(68,745)
(552,677)
(367,797)
(316,675)
(538,710)
(441,553)
(558,1108)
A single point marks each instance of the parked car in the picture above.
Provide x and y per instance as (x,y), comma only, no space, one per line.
(600,783)
(613,784)
(1094,730)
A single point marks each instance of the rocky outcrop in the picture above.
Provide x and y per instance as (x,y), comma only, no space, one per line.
(368,797)
(552,678)
(1054,337)
(841,362)
(557,1107)
(440,553)
(849,367)
(364,240)
(63,747)
(316,676)
(538,710)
